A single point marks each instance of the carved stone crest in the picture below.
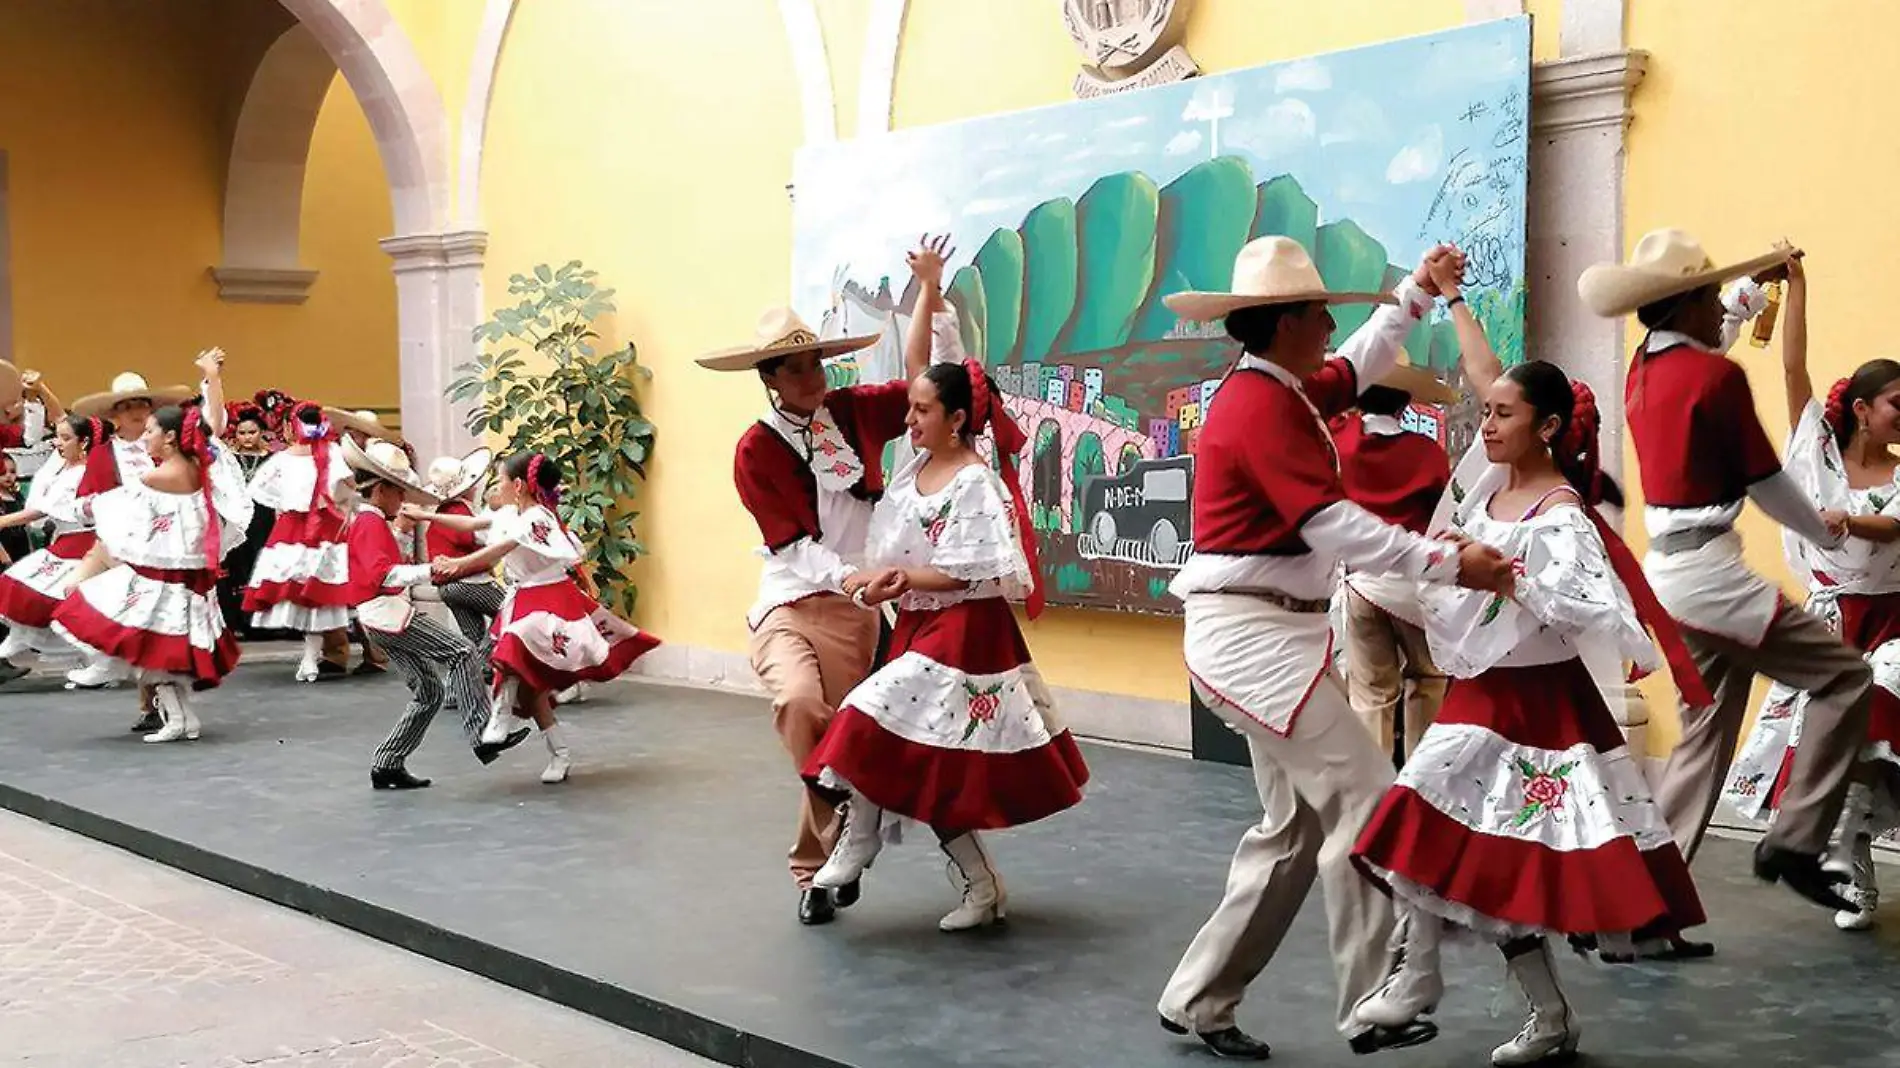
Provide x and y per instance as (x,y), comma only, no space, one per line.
(1128,44)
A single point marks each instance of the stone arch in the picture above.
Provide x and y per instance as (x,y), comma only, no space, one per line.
(263,189)
(809,61)
(497,16)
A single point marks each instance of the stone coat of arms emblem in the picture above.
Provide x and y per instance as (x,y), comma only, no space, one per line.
(1127,44)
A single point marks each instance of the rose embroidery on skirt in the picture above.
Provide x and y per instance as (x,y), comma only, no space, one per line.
(1543,790)
(984,705)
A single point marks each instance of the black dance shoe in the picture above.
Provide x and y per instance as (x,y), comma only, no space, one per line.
(9,671)
(816,907)
(1379,1039)
(487,752)
(1803,874)
(847,895)
(1230,1043)
(395,779)
(149,722)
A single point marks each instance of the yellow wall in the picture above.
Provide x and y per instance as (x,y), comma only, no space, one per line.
(116,118)
(670,181)
(1719,149)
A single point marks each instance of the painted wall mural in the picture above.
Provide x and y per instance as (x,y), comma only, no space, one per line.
(1072,222)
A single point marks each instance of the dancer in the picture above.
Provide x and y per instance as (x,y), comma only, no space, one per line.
(299,580)
(1701,450)
(247,433)
(1271,524)
(956,730)
(551,631)
(1841,454)
(32,588)
(145,595)
(1522,814)
(359,426)
(809,473)
(30,407)
(475,600)
(424,651)
(1398,476)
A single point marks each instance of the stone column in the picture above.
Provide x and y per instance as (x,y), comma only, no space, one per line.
(1580,110)
(438,303)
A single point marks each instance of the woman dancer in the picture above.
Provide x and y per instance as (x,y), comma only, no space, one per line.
(957,729)
(248,432)
(551,631)
(144,596)
(1522,814)
(1841,454)
(32,588)
(299,581)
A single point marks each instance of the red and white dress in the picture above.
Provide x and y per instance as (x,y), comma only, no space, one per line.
(957,730)
(300,580)
(156,611)
(1854,589)
(32,588)
(1522,811)
(548,633)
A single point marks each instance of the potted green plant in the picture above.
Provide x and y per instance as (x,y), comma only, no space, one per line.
(573,403)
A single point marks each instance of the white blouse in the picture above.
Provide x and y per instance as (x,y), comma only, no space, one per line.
(543,552)
(287,482)
(965,530)
(56,495)
(151,528)
(1813,460)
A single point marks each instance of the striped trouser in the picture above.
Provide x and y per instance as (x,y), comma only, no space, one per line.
(423,652)
(474,606)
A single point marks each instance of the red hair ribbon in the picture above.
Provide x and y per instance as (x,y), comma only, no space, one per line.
(547,498)
(1835,412)
(987,413)
(193,442)
(102,461)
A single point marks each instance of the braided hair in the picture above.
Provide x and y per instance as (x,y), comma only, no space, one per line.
(1868,381)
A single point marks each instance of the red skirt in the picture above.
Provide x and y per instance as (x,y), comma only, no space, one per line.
(1868,621)
(956,729)
(1522,812)
(158,620)
(29,590)
(304,562)
(552,636)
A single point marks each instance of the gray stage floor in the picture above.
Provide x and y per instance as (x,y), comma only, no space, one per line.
(650,890)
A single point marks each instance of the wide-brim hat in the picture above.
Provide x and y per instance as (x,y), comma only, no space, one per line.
(1268,270)
(12,386)
(1424,385)
(128,385)
(1664,264)
(386,462)
(450,477)
(363,421)
(780,332)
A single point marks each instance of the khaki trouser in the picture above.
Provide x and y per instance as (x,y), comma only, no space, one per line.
(1383,654)
(1798,651)
(336,648)
(1317,789)
(810,654)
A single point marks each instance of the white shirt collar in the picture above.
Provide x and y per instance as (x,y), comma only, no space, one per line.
(1250,362)
(1381,425)
(1669,339)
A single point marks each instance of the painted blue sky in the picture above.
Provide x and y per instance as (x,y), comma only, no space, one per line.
(1417,140)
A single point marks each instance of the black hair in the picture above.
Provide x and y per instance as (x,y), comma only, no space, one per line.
(547,478)
(1384,400)
(1550,394)
(171,419)
(311,415)
(1868,381)
(1656,315)
(251,414)
(82,428)
(952,381)
(770,366)
(1255,327)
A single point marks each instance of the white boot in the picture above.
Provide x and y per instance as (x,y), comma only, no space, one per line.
(1416,985)
(1856,809)
(1550,1033)
(501,714)
(312,653)
(573,695)
(857,847)
(971,869)
(95,673)
(165,700)
(1863,888)
(559,762)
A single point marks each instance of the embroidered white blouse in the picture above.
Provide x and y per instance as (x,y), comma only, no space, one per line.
(965,530)
(1813,460)
(286,482)
(56,495)
(151,528)
(543,551)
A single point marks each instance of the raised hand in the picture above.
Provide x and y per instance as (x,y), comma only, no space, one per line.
(928,259)
(1448,272)
(210,362)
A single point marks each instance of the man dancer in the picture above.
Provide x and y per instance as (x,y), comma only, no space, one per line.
(1271,523)
(1398,476)
(1701,450)
(809,472)
(422,649)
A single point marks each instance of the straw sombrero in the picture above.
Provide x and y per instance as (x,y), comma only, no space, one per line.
(128,385)
(1269,270)
(1665,263)
(780,333)
(387,462)
(12,387)
(450,477)
(362,421)
(1424,386)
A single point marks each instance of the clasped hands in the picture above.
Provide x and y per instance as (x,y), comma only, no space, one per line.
(1480,567)
(875,586)
(447,569)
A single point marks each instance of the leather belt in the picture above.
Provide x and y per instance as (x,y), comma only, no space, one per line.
(1281,600)
(1677,542)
